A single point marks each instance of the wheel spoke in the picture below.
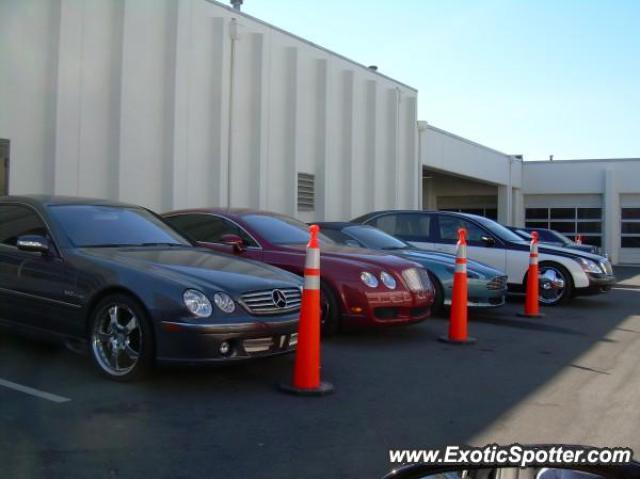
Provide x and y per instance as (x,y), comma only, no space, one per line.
(115,354)
(131,353)
(113,317)
(131,325)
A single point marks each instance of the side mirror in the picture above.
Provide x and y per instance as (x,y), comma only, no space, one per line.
(488,241)
(234,241)
(33,244)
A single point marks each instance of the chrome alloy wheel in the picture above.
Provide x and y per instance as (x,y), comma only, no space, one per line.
(552,284)
(116,340)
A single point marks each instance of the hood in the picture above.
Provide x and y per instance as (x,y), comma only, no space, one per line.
(364,256)
(199,267)
(562,251)
(425,258)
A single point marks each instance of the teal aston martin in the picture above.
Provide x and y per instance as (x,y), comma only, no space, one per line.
(487,286)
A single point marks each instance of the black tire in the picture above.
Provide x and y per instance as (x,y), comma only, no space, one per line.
(567,292)
(110,347)
(437,308)
(330,311)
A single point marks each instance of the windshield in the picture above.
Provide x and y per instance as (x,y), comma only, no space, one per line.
(374,238)
(104,226)
(282,229)
(563,239)
(497,229)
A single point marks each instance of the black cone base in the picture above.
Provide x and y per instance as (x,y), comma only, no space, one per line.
(461,342)
(323,390)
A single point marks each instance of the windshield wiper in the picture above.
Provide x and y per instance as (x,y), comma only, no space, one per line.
(391,248)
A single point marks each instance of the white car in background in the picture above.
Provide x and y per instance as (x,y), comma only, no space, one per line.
(564,272)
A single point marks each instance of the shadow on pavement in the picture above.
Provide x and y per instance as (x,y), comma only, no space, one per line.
(395,388)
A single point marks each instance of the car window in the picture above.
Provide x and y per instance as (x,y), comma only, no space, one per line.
(18,221)
(548,236)
(374,238)
(407,226)
(448,228)
(208,228)
(279,229)
(340,238)
(109,226)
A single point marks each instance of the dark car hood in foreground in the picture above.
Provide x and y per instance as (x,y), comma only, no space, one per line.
(447,260)
(366,256)
(199,265)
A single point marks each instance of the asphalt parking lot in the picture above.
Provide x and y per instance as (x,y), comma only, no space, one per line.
(572,377)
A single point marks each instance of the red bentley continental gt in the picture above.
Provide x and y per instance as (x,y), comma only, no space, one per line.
(359,287)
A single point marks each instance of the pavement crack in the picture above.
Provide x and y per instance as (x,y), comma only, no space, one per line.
(586,368)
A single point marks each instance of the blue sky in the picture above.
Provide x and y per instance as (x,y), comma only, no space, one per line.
(536,77)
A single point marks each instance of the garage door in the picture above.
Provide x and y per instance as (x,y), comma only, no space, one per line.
(629,229)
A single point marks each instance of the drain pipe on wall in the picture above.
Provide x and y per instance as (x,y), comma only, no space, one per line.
(234,35)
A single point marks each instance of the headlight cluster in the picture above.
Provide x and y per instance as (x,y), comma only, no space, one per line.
(371,281)
(199,305)
(417,279)
(589,266)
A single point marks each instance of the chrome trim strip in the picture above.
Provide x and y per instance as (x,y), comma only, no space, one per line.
(40,298)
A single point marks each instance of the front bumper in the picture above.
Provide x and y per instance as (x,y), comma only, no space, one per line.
(598,283)
(185,341)
(386,308)
(479,296)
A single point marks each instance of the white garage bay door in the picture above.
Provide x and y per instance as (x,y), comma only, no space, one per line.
(630,229)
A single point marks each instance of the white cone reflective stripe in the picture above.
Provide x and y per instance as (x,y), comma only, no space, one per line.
(312,269)
(533,255)
(312,259)
(461,259)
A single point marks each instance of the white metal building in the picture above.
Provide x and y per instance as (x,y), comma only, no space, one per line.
(597,199)
(179,103)
(187,103)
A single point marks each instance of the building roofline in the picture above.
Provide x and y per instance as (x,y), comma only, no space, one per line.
(308,42)
(466,140)
(579,160)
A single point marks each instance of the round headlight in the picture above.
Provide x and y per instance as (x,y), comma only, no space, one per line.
(388,280)
(369,279)
(197,303)
(224,302)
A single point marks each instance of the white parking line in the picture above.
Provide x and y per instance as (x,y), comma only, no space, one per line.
(627,289)
(33,392)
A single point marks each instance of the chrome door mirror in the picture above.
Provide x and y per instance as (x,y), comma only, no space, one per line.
(33,244)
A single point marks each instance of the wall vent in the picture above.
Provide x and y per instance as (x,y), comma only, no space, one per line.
(306,192)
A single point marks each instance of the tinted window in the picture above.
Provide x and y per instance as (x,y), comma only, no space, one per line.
(631,213)
(563,213)
(589,213)
(563,226)
(18,221)
(498,230)
(547,236)
(341,238)
(281,229)
(534,224)
(208,228)
(537,213)
(408,226)
(93,225)
(374,238)
(449,225)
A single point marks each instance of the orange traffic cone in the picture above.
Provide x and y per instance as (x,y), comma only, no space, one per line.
(306,373)
(458,316)
(579,239)
(531,302)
